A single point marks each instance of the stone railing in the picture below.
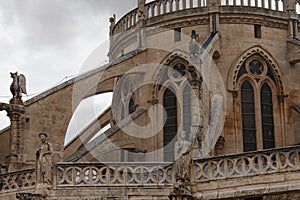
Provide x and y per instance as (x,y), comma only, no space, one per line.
(154,9)
(17,180)
(277,5)
(162,7)
(126,22)
(113,174)
(248,164)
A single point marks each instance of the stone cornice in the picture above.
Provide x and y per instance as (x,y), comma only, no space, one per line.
(280,24)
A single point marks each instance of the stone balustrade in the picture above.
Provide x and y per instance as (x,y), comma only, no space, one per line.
(248,164)
(245,165)
(17,180)
(210,169)
(162,7)
(113,174)
(277,5)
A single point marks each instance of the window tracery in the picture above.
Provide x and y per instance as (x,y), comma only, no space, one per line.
(256,104)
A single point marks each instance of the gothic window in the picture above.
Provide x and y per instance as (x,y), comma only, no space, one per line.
(248,117)
(267,116)
(256,100)
(170,126)
(176,98)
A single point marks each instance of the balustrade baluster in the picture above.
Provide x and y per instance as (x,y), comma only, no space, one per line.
(164,5)
(158,8)
(177,5)
(152,10)
(183,4)
(277,5)
(270,4)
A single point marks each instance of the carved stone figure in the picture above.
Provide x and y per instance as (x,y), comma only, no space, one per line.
(18,85)
(112,21)
(43,161)
(141,9)
(183,160)
(194,45)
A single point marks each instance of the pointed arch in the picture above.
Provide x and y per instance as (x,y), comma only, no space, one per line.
(234,72)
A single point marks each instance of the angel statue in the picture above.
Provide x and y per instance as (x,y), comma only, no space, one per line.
(18,85)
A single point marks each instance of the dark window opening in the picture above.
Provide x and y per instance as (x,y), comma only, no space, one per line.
(170,126)
(267,116)
(177,34)
(248,117)
(179,70)
(131,106)
(257,31)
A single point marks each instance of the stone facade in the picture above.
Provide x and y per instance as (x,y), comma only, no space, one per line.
(210,65)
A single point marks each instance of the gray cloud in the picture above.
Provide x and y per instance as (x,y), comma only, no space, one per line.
(48,40)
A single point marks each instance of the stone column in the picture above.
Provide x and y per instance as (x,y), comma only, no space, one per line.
(290,9)
(213,9)
(142,15)
(16,115)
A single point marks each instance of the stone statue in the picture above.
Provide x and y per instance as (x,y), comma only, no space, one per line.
(194,45)
(183,160)
(43,161)
(18,85)
(112,21)
(141,9)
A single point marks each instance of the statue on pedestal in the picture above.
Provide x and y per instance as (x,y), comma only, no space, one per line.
(17,87)
(43,161)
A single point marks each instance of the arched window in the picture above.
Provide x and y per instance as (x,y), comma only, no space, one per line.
(248,117)
(170,126)
(257,104)
(267,118)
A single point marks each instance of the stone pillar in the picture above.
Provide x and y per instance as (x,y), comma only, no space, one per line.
(142,15)
(213,9)
(290,9)
(16,114)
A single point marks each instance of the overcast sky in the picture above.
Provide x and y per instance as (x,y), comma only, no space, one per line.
(49,40)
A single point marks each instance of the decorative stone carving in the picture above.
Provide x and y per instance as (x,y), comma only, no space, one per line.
(194,46)
(141,9)
(17,88)
(112,21)
(183,160)
(30,196)
(43,161)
